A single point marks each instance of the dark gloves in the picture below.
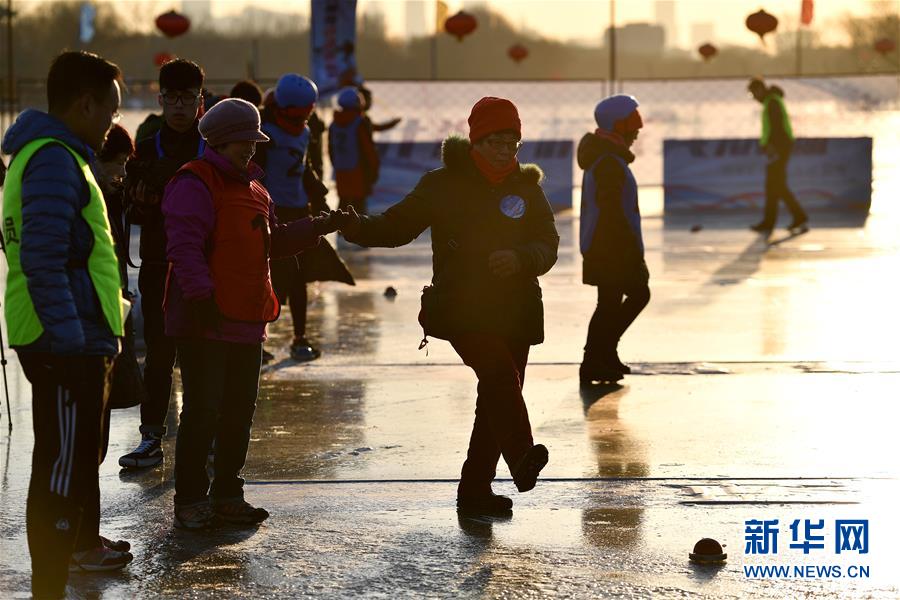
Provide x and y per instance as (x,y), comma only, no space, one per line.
(351,224)
(330,221)
(205,314)
(504,263)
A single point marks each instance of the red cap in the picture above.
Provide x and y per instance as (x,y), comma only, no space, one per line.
(490,115)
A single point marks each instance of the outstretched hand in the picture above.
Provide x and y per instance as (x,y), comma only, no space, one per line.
(328,221)
(351,223)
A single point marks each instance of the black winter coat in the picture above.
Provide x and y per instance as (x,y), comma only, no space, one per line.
(615,257)
(155,172)
(461,206)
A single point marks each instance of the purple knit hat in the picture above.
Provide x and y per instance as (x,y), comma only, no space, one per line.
(231,120)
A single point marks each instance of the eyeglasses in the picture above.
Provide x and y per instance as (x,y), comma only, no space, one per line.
(172,98)
(498,145)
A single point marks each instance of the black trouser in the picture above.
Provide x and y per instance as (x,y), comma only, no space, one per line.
(501,417)
(71,432)
(160,360)
(777,189)
(613,316)
(221,382)
(287,275)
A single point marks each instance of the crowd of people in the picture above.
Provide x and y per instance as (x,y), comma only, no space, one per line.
(232,210)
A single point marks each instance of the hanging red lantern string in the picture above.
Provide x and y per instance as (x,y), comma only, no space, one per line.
(161,58)
(172,24)
(885,46)
(517,52)
(762,23)
(460,25)
(707,51)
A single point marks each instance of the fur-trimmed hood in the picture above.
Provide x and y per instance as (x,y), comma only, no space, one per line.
(592,146)
(455,156)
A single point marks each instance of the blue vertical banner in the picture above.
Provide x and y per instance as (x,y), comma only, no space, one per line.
(333,39)
(86,20)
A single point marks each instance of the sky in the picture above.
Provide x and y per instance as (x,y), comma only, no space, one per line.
(691,21)
(587,19)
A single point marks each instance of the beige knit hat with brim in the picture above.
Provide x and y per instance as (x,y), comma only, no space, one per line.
(231,120)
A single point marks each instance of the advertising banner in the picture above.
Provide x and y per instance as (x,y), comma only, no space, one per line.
(404,163)
(826,174)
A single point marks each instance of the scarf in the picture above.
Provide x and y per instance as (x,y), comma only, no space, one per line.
(491,173)
(292,119)
(615,138)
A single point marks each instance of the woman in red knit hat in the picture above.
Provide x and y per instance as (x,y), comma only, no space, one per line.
(492,235)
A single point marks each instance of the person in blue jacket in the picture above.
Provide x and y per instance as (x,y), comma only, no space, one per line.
(295,190)
(611,240)
(64,312)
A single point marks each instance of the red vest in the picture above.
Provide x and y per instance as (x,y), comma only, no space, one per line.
(238,254)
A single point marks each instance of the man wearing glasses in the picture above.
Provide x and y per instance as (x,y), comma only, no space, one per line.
(65,312)
(155,161)
(492,235)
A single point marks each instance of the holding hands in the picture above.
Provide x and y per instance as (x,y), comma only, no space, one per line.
(350,223)
(335,220)
(328,221)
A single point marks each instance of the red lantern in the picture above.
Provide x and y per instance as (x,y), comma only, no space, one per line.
(172,24)
(161,58)
(885,46)
(460,25)
(517,52)
(762,23)
(707,51)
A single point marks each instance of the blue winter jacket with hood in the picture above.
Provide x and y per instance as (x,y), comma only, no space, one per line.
(56,241)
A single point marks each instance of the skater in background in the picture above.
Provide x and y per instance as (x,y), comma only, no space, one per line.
(492,235)
(366,94)
(248,90)
(352,152)
(127,384)
(777,140)
(611,240)
(297,193)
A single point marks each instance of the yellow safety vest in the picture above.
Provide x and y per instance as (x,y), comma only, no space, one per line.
(102,264)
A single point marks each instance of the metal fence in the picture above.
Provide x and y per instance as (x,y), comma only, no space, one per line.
(846,106)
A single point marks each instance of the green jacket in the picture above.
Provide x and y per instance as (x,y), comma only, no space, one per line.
(469,219)
(776,124)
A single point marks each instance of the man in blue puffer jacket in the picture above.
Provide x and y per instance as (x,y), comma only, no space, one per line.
(64,312)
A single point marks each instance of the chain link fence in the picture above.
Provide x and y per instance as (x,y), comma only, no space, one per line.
(847,106)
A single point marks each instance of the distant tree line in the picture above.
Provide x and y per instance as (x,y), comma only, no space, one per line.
(267,52)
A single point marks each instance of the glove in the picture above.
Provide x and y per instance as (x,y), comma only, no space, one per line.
(350,223)
(330,221)
(205,314)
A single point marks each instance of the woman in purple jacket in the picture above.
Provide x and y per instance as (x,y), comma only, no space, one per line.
(222,231)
